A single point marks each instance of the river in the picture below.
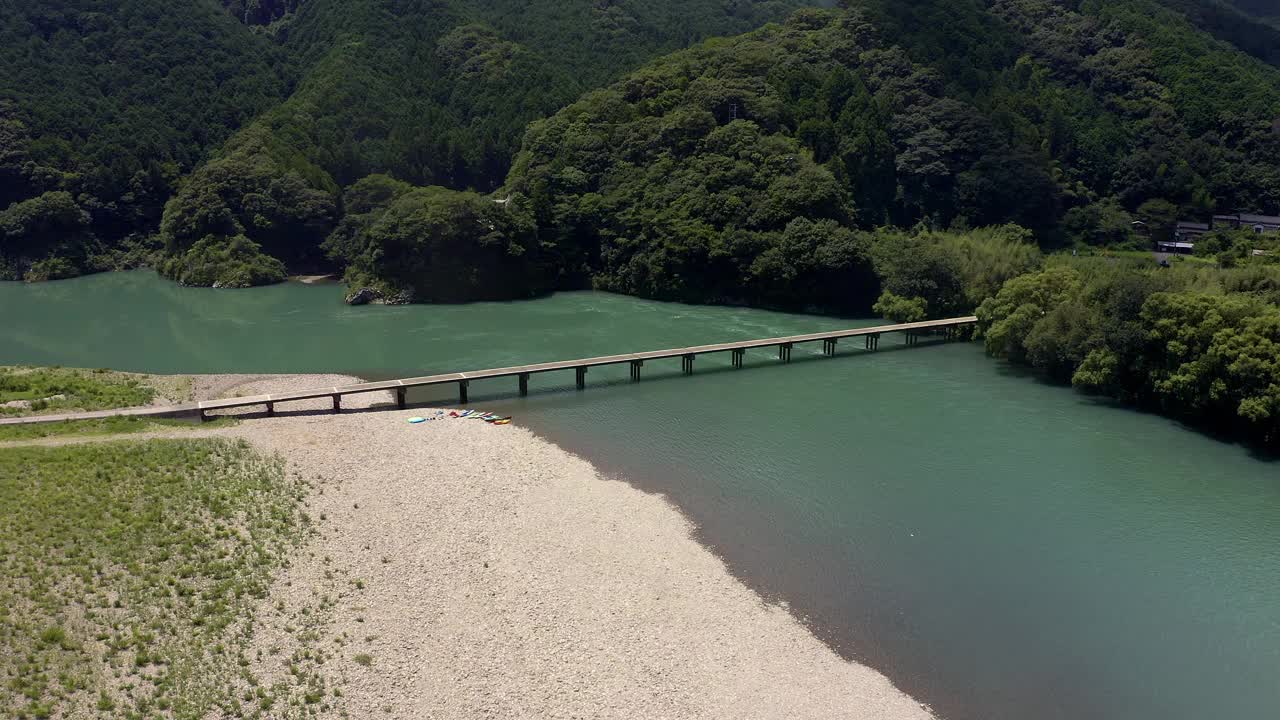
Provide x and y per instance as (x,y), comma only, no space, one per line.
(1001,548)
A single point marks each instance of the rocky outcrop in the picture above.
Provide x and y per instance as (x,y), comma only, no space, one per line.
(363,296)
(368,295)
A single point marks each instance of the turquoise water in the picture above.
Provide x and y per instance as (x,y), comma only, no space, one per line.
(1001,548)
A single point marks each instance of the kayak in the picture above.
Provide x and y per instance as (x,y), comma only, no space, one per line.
(416,420)
(502,422)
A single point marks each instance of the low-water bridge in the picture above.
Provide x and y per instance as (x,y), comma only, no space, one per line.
(911,333)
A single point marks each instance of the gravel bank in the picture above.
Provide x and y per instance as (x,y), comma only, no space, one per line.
(466,570)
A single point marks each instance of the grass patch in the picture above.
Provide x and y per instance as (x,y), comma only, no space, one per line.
(36,390)
(129,572)
(106,426)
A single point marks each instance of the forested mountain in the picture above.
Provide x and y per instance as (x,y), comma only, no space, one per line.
(740,170)
(368,132)
(103,108)
(432,91)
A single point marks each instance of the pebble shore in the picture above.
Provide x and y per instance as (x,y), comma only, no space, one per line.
(471,570)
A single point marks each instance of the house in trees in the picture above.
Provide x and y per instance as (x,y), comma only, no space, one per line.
(1258,223)
(1187,232)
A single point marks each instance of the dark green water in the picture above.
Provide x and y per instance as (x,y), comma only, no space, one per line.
(999,547)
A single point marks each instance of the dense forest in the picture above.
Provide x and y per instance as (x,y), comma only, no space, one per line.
(741,170)
(252,119)
(736,170)
(274,101)
(102,113)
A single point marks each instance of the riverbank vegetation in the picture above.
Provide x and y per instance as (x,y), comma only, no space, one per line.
(130,572)
(105,426)
(1198,344)
(25,390)
(1192,338)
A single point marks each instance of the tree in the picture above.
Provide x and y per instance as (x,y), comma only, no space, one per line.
(1009,319)
(1159,216)
(45,238)
(437,245)
(900,309)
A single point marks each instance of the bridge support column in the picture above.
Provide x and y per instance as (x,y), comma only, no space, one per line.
(784,352)
(337,403)
(271,409)
(462,392)
(524,384)
(402,397)
(736,357)
(635,369)
(204,416)
(582,377)
(829,347)
(686,364)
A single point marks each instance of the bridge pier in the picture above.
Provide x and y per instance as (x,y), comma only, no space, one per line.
(271,409)
(402,397)
(635,369)
(462,392)
(784,352)
(582,377)
(686,364)
(873,341)
(524,384)
(829,347)
(736,357)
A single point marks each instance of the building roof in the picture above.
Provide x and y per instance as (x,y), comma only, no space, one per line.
(1176,245)
(1187,225)
(1250,218)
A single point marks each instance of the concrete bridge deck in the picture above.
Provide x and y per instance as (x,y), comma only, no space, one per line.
(871,335)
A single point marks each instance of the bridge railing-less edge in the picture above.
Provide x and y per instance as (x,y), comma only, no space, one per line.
(950,328)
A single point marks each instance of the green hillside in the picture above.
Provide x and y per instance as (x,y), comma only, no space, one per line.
(431,93)
(742,170)
(738,170)
(116,104)
(103,108)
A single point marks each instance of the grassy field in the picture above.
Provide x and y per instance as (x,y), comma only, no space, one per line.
(106,426)
(129,572)
(32,390)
